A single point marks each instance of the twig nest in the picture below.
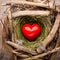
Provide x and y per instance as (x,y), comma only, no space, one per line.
(26,17)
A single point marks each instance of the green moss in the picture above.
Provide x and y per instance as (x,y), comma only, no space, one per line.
(18,22)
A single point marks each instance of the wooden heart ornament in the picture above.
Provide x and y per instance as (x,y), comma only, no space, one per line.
(31,31)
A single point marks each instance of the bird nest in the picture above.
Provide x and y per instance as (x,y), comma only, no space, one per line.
(22,12)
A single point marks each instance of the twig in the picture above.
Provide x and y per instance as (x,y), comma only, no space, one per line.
(20,54)
(23,13)
(30,3)
(56,55)
(11,24)
(21,48)
(58,40)
(51,35)
(16,53)
(40,1)
(9,13)
(44,54)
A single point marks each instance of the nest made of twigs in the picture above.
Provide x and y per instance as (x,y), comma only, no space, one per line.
(41,42)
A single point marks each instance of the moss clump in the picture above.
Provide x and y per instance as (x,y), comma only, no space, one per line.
(19,21)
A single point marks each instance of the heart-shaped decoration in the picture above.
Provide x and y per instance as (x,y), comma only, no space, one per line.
(31,31)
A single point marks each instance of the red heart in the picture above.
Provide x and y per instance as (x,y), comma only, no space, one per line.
(31,31)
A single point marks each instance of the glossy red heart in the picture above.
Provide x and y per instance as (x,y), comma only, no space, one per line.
(31,31)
